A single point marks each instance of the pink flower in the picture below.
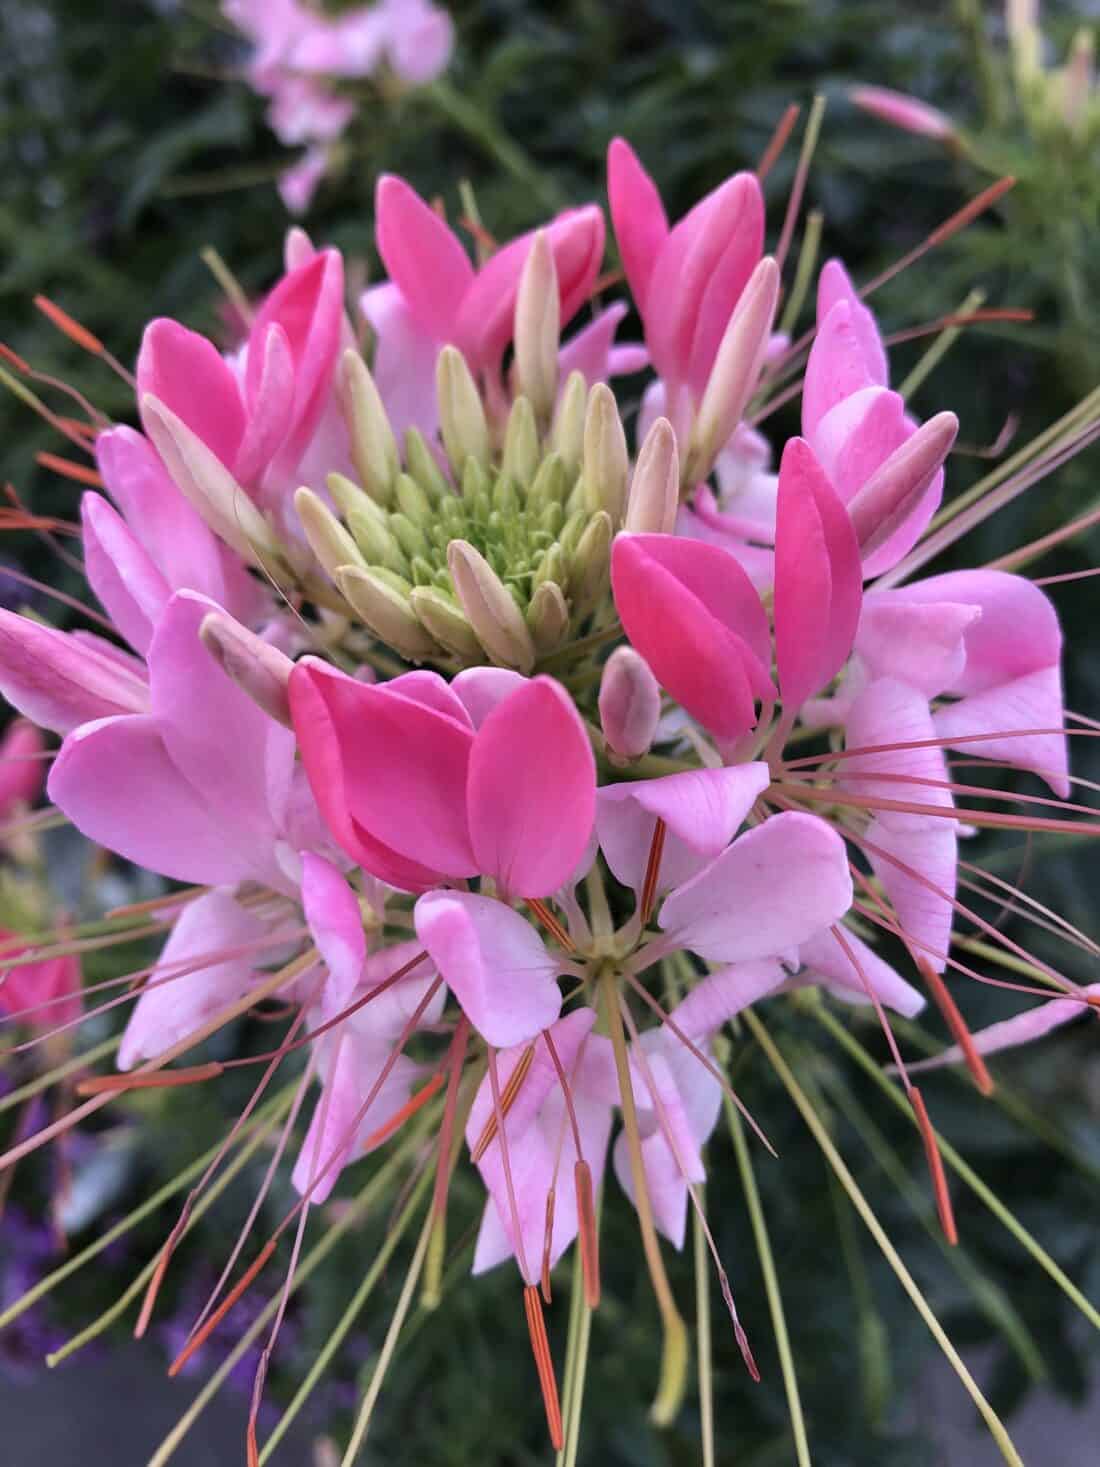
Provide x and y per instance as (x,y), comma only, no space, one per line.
(22,766)
(901,110)
(415,794)
(685,280)
(43,995)
(693,615)
(298,183)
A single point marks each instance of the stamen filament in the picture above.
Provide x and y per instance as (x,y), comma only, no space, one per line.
(507,1100)
(935,1167)
(957,1024)
(544,1363)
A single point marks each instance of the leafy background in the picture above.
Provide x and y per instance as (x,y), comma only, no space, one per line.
(128,142)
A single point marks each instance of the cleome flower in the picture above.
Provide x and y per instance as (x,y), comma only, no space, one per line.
(505,764)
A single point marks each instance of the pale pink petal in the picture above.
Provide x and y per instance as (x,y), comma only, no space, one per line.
(494,962)
(482,688)
(840,967)
(404,361)
(532,790)
(702,810)
(770,890)
(58,680)
(206,938)
(125,581)
(919,644)
(859,434)
(336,925)
(818,578)
(888,712)
(589,351)
(641,226)
(271,404)
(1032,701)
(916,864)
(901,110)
(387,1015)
(1023,1028)
(421,39)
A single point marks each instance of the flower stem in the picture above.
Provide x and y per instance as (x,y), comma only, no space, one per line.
(674,1356)
(703,1342)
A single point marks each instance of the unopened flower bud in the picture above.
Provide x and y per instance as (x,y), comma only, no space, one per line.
(413,503)
(328,539)
(491,610)
(591,562)
(439,614)
(520,458)
(538,328)
(1077,80)
(567,434)
(736,367)
(655,487)
(896,486)
(410,537)
(373,446)
(553,566)
(204,480)
(548,616)
(421,464)
(606,461)
(550,484)
(382,602)
(630,703)
(370,529)
(260,669)
(461,414)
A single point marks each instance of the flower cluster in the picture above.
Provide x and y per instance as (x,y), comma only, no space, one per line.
(463,723)
(301,56)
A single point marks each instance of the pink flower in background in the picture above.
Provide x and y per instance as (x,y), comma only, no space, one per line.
(901,110)
(22,766)
(42,995)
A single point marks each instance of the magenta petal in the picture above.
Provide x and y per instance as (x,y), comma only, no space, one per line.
(200,970)
(271,404)
(124,579)
(818,578)
(771,889)
(110,774)
(494,962)
(693,615)
(482,688)
(840,967)
(834,285)
(531,790)
(728,278)
(422,256)
(189,375)
(388,772)
(916,864)
(590,351)
(702,810)
(837,367)
(857,436)
(58,680)
(336,925)
(22,770)
(641,226)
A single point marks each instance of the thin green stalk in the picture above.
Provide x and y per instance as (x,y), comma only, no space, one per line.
(875,1228)
(867,1062)
(477,125)
(280,1104)
(389,1344)
(59,1072)
(312,1261)
(123,1226)
(670,1391)
(874,1341)
(572,1340)
(804,270)
(771,1283)
(703,1354)
(927,363)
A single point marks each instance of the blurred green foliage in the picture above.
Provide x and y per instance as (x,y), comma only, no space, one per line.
(128,142)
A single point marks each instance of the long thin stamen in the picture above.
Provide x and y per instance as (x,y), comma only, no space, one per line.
(957,1024)
(508,1099)
(540,1345)
(551,923)
(778,141)
(935,1167)
(652,872)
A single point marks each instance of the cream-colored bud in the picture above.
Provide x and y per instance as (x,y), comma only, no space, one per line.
(567,434)
(606,462)
(257,667)
(591,561)
(548,617)
(490,607)
(385,608)
(373,446)
(413,502)
(422,464)
(655,487)
(520,459)
(446,622)
(551,484)
(896,486)
(461,413)
(538,328)
(328,539)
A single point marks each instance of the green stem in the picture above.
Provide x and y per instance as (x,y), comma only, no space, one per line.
(875,1228)
(702,1337)
(59,1072)
(481,128)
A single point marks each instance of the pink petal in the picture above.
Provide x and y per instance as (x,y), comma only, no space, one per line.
(404,361)
(641,226)
(771,889)
(916,864)
(193,980)
(1023,1028)
(30,992)
(693,614)
(531,790)
(835,285)
(389,774)
(189,375)
(702,809)
(1032,701)
(124,579)
(590,350)
(336,925)
(493,961)
(58,681)
(22,767)
(885,713)
(838,365)
(422,256)
(271,405)
(918,644)
(383,1020)
(714,1000)
(482,688)
(827,959)
(857,435)
(111,773)
(818,578)
(727,280)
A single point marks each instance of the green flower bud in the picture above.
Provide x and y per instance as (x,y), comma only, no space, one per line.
(606,462)
(421,463)
(328,539)
(520,459)
(567,434)
(373,446)
(386,610)
(461,414)
(490,607)
(548,617)
(445,621)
